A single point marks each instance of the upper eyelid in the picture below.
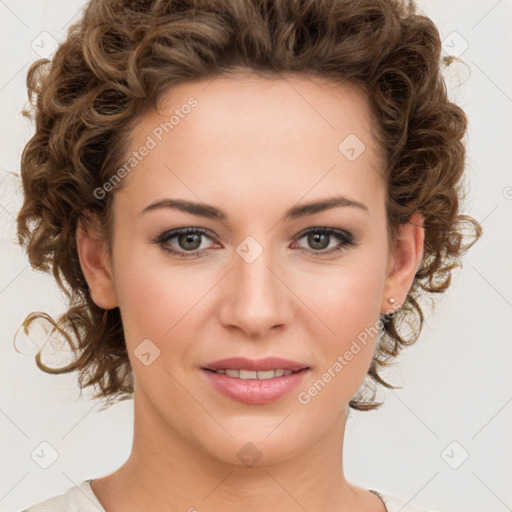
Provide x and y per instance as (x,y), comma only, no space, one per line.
(171,233)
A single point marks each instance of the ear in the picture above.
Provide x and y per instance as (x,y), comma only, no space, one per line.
(403,262)
(96,264)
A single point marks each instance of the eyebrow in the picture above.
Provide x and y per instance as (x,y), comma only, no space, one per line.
(295,212)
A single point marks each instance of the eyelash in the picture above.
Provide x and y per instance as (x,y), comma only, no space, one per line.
(346,239)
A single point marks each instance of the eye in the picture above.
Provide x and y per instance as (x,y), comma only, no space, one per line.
(188,240)
(319,239)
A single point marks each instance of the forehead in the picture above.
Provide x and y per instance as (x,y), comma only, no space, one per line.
(275,138)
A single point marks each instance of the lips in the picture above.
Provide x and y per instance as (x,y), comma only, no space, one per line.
(255,365)
(255,391)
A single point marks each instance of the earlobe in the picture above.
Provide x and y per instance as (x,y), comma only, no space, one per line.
(96,266)
(404,263)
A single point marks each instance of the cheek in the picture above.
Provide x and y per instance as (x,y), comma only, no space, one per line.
(156,295)
(347,303)
(344,349)
(162,300)
(347,298)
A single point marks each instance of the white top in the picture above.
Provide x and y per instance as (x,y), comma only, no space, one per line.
(81,498)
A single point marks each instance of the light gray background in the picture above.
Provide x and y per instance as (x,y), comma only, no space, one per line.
(456,378)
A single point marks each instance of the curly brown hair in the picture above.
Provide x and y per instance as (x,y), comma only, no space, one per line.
(121,57)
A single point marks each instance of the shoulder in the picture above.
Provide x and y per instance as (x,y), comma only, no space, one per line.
(79,498)
(55,504)
(394,504)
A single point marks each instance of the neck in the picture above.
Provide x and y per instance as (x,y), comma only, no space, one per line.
(166,468)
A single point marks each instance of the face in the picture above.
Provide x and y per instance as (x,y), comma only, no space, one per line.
(251,281)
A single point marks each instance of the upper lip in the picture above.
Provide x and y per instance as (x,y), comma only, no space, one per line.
(267,363)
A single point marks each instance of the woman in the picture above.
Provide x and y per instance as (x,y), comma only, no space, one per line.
(244,202)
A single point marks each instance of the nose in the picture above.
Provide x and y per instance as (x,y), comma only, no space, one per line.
(256,299)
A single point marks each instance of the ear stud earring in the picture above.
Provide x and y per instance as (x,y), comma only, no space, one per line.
(391,300)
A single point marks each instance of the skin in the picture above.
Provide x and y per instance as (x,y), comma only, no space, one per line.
(253,147)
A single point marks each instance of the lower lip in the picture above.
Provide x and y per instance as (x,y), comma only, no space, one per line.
(255,391)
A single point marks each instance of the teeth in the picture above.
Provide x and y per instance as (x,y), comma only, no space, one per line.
(248,374)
